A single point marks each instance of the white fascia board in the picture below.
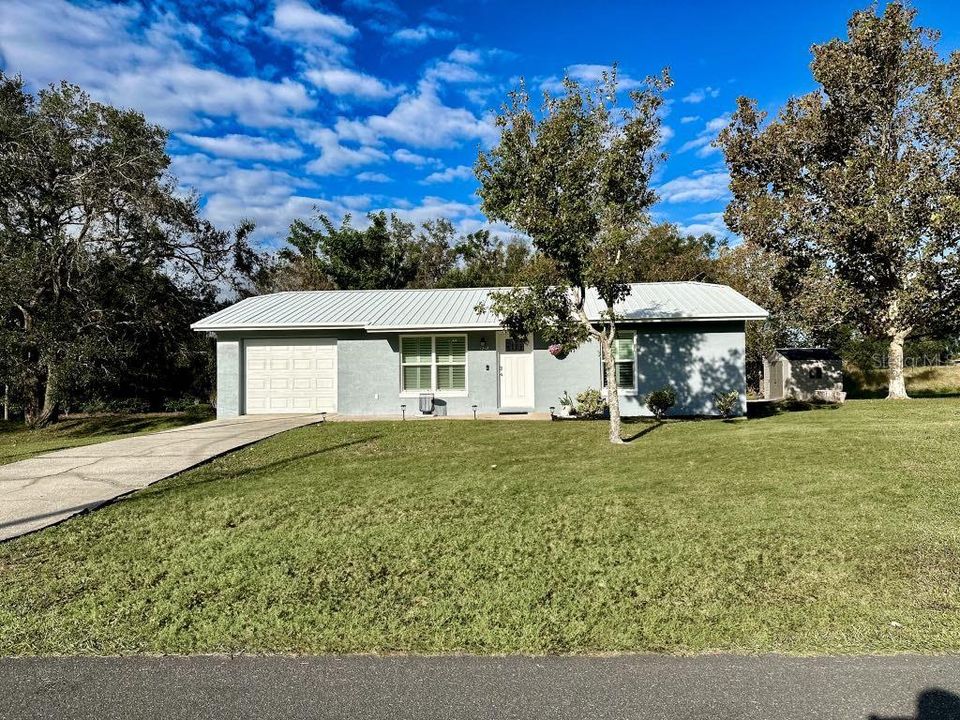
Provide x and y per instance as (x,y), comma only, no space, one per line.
(264,328)
(451,328)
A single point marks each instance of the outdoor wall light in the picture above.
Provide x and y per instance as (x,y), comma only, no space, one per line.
(483,342)
(474,411)
(403,412)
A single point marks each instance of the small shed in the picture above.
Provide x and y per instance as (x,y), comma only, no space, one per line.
(803,374)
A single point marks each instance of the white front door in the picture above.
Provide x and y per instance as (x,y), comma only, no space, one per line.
(516,371)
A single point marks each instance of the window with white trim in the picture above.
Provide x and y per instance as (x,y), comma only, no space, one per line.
(433,363)
(625,358)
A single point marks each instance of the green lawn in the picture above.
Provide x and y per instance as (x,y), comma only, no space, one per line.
(18,442)
(830,530)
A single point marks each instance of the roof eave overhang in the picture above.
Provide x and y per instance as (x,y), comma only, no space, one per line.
(198,327)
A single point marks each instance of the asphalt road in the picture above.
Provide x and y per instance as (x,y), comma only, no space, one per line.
(474,688)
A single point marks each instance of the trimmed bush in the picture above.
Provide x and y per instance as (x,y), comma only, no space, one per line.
(660,401)
(590,403)
(726,403)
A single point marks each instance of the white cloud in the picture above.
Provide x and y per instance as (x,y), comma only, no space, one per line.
(139,54)
(465,56)
(343,81)
(687,119)
(377,6)
(221,175)
(589,75)
(420,34)
(699,187)
(374,177)
(460,172)
(701,94)
(243,146)
(299,18)
(433,207)
(100,48)
(411,158)
(336,158)
(454,72)
(272,217)
(704,139)
(355,130)
(355,202)
(706,223)
(421,119)
(697,142)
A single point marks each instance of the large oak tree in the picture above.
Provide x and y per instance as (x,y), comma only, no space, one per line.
(88,215)
(861,179)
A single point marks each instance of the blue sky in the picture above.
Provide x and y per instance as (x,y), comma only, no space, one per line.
(277,107)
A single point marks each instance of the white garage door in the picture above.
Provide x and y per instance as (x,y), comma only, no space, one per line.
(291,375)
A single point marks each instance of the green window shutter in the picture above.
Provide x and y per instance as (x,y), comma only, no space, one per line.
(625,359)
(623,346)
(451,349)
(416,350)
(416,377)
(451,377)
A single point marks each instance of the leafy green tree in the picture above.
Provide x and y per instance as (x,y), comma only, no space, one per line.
(432,253)
(83,184)
(859,180)
(664,254)
(323,256)
(136,345)
(576,181)
(485,260)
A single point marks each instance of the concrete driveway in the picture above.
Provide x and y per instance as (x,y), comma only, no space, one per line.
(49,488)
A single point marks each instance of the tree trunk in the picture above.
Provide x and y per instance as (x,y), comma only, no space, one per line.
(896,386)
(613,396)
(43,405)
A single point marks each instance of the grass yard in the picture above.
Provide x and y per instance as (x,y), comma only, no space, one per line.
(18,442)
(830,530)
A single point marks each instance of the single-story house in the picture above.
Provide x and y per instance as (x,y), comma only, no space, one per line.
(803,374)
(376,352)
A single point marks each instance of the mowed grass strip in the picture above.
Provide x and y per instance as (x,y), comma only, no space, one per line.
(831,530)
(19,442)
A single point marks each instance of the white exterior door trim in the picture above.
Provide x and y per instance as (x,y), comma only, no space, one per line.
(289,375)
(516,388)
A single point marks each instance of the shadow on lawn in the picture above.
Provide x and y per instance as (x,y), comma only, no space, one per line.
(650,427)
(227,473)
(96,425)
(84,426)
(932,704)
(763,409)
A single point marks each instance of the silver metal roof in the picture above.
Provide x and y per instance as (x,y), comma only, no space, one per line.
(453,309)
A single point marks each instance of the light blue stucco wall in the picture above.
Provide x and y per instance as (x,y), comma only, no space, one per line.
(229,377)
(696,359)
(581,369)
(369,380)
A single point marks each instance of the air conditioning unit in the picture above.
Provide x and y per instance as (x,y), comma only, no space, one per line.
(426,403)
